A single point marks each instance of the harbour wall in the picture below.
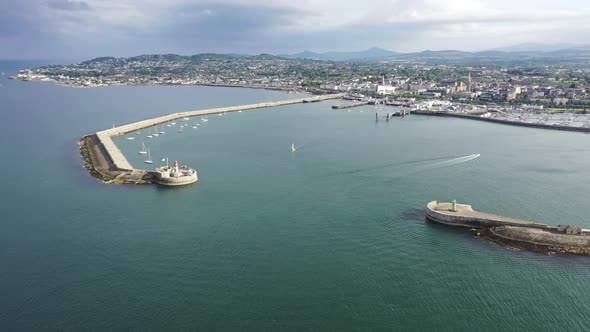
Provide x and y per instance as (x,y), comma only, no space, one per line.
(513,232)
(466,217)
(505,122)
(121,163)
(350,105)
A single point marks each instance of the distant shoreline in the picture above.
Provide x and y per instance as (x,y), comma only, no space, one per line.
(82,86)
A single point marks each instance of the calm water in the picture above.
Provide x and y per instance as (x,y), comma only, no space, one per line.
(331,237)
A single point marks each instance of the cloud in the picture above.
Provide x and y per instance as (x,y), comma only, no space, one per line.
(68,5)
(88,28)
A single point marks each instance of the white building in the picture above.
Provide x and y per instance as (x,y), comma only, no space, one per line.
(385,89)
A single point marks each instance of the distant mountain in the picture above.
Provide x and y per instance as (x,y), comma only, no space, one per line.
(578,55)
(535,47)
(371,54)
(529,53)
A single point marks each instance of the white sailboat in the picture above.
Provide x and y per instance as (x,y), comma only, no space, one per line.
(130,138)
(149,158)
(162,132)
(156,134)
(143,149)
(293,147)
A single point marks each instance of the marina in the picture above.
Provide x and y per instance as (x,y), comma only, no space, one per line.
(114,165)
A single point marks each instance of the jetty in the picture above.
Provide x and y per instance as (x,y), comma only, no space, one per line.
(105,160)
(510,231)
(350,105)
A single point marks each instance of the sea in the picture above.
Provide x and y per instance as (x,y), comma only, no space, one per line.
(329,237)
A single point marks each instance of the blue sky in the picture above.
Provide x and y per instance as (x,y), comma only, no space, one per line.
(72,29)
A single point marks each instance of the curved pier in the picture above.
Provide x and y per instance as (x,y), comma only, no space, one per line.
(463,215)
(114,165)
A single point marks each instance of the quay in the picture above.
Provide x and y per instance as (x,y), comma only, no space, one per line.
(525,234)
(105,160)
(502,121)
(350,105)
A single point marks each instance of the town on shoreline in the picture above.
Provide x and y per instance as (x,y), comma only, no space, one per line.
(535,94)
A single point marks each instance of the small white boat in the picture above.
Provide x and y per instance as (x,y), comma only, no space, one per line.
(220,114)
(143,149)
(240,111)
(149,158)
(185,119)
(204,120)
(173,123)
(138,132)
(293,147)
(149,136)
(130,138)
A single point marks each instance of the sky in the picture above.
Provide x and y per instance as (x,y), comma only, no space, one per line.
(83,29)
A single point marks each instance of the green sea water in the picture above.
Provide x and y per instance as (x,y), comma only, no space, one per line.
(329,237)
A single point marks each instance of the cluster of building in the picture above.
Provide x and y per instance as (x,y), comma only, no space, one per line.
(547,86)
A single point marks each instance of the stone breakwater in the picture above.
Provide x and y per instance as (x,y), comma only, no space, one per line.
(106,162)
(513,232)
(506,122)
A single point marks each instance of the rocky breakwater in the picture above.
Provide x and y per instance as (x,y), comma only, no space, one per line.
(100,165)
(512,232)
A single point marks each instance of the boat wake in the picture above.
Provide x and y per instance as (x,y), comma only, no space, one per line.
(378,167)
(450,162)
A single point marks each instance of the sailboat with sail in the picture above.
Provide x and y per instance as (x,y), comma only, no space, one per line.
(293,147)
(149,157)
(143,149)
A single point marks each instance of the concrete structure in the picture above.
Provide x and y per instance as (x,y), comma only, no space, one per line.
(175,175)
(350,105)
(120,163)
(514,232)
(464,216)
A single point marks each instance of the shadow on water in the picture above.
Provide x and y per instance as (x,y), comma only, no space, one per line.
(414,215)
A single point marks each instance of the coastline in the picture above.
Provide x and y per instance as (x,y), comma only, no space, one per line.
(82,86)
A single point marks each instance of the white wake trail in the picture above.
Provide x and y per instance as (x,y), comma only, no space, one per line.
(451,162)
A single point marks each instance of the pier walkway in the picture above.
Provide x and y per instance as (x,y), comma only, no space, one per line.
(464,215)
(120,162)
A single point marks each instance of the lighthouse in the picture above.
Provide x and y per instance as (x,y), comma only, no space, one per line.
(176,166)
